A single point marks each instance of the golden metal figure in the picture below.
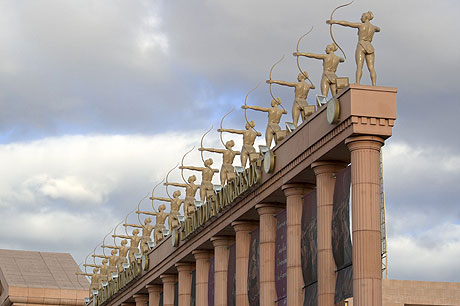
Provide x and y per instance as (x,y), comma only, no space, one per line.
(227,172)
(103,269)
(301,89)
(122,252)
(113,261)
(190,192)
(147,229)
(330,63)
(134,243)
(95,279)
(274,117)
(207,173)
(160,222)
(175,207)
(249,137)
(364,49)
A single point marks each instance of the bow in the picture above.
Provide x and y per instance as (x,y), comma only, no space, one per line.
(246,104)
(297,49)
(94,253)
(270,78)
(139,208)
(126,222)
(221,127)
(330,29)
(153,191)
(202,138)
(182,169)
(103,243)
(167,192)
(115,232)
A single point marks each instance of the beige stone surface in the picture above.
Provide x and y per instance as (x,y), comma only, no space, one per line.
(221,244)
(202,262)
(154,294)
(168,289)
(185,282)
(29,277)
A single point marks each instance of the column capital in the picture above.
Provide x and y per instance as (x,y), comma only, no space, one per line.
(297,189)
(364,142)
(327,166)
(168,278)
(141,298)
(244,226)
(202,254)
(184,266)
(222,241)
(154,288)
(269,208)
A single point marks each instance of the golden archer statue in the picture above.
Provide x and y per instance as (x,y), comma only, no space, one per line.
(301,89)
(103,269)
(364,49)
(160,222)
(175,203)
(122,251)
(227,172)
(134,243)
(113,261)
(147,229)
(249,137)
(95,280)
(274,117)
(190,192)
(330,63)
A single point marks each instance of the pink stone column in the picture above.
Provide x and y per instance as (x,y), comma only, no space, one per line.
(221,253)
(154,294)
(367,263)
(267,245)
(202,262)
(128,304)
(325,183)
(294,204)
(168,289)
(185,283)
(243,231)
(141,299)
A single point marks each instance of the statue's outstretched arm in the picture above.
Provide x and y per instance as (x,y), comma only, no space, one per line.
(310,55)
(100,256)
(231,131)
(121,236)
(160,199)
(147,213)
(81,273)
(215,170)
(192,168)
(283,83)
(133,225)
(175,184)
(212,150)
(256,108)
(109,246)
(344,23)
(91,265)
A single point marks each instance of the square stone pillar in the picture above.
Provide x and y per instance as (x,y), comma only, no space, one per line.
(185,282)
(365,182)
(294,205)
(202,264)
(267,245)
(154,294)
(325,183)
(243,231)
(141,299)
(168,288)
(221,253)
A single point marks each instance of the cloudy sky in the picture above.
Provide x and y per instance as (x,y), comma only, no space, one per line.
(99,99)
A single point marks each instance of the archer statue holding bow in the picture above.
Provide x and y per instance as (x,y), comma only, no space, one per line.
(364,49)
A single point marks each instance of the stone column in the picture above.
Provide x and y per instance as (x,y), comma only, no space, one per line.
(168,289)
(185,283)
(267,245)
(325,183)
(243,231)
(367,262)
(294,203)
(154,294)
(128,304)
(141,299)
(221,253)
(202,271)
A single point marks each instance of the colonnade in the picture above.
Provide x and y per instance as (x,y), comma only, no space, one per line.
(365,231)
